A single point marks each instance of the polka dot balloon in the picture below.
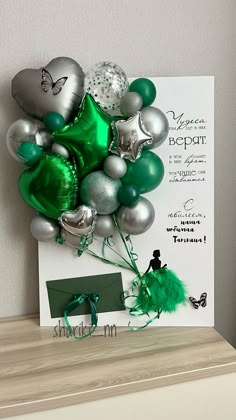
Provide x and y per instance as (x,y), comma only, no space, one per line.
(107,83)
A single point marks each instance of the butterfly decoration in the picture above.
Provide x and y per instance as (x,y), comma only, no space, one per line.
(201,302)
(48,83)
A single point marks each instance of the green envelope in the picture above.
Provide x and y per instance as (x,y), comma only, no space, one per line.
(108,286)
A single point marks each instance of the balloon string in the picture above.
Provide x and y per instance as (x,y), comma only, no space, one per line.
(135,268)
(77,300)
(105,244)
(105,260)
(134,254)
(157,316)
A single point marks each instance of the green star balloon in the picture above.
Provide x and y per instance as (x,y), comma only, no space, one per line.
(88,137)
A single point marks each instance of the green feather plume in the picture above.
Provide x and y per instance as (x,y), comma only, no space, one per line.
(160,291)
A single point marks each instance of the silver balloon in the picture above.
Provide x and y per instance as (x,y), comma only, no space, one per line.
(107,83)
(57,87)
(130,136)
(105,226)
(137,219)
(115,167)
(43,229)
(79,222)
(77,242)
(43,138)
(99,191)
(156,123)
(131,103)
(60,150)
(19,132)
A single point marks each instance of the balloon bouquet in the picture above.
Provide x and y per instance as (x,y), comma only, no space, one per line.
(89,167)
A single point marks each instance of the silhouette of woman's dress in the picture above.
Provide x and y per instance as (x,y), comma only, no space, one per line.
(160,290)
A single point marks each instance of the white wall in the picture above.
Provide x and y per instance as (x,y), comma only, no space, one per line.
(151,37)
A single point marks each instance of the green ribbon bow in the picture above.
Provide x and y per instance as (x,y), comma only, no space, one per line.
(74,303)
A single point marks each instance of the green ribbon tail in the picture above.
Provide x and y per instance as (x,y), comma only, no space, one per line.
(131,256)
(105,260)
(71,306)
(157,316)
(106,244)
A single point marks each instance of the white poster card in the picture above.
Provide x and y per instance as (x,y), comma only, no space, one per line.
(183,229)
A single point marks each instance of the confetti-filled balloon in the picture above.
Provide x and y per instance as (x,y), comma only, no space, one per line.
(107,83)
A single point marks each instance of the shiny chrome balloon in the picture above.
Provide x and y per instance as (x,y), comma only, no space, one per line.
(80,221)
(130,104)
(105,226)
(130,136)
(99,191)
(21,131)
(60,150)
(44,229)
(115,167)
(136,219)
(43,138)
(157,124)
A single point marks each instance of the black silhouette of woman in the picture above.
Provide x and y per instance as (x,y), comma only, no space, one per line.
(155,263)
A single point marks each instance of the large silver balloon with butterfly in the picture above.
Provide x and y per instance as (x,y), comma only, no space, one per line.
(57,87)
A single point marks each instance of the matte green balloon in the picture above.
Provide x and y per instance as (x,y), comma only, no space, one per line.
(145,88)
(53,121)
(29,153)
(88,137)
(146,173)
(128,195)
(51,186)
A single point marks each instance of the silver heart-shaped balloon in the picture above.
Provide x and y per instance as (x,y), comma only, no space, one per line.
(80,221)
(57,87)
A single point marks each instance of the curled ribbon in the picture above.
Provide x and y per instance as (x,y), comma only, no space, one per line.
(74,303)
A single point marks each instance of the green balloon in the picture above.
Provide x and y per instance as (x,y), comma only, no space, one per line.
(29,153)
(88,137)
(128,195)
(53,121)
(146,173)
(51,186)
(145,88)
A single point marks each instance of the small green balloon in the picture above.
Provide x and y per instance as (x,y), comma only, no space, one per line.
(145,88)
(146,173)
(29,153)
(128,195)
(53,121)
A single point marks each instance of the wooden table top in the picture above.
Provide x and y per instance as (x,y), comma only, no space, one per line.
(41,372)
